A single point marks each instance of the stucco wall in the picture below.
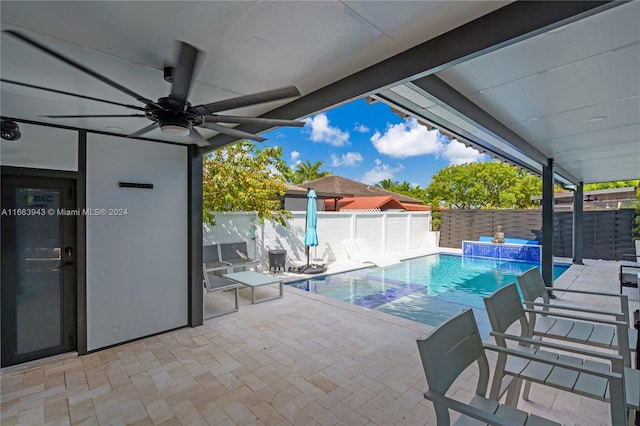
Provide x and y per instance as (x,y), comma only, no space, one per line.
(136,263)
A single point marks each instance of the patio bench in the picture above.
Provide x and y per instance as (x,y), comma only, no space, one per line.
(236,255)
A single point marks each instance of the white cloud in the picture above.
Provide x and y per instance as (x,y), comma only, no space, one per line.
(322,131)
(410,138)
(457,153)
(295,163)
(380,171)
(349,159)
(295,155)
(361,128)
(407,139)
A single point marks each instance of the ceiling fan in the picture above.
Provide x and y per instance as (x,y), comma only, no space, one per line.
(173,114)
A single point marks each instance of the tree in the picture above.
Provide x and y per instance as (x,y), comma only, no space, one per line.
(612,185)
(304,172)
(241,177)
(404,188)
(490,185)
(387,184)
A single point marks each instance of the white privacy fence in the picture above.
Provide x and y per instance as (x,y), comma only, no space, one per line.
(385,232)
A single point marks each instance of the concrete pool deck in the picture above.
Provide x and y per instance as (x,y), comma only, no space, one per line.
(300,360)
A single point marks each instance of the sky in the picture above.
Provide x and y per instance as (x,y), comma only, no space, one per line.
(370,143)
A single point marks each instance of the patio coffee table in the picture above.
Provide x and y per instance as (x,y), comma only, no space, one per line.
(255,279)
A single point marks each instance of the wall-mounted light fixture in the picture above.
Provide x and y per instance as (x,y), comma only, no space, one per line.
(136,185)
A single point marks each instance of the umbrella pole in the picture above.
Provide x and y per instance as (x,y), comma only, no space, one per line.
(306,247)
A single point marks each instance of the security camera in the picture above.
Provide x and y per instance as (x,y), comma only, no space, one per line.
(10,130)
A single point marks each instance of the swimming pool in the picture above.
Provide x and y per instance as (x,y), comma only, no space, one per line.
(429,289)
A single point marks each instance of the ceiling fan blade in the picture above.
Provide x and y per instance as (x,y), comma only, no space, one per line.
(80,67)
(232,132)
(144,130)
(252,120)
(183,72)
(246,100)
(196,136)
(94,116)
(33,86)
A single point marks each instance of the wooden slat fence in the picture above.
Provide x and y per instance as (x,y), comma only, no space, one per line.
(607,234)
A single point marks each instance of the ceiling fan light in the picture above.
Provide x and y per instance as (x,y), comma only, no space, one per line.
(172,124)
(175,130)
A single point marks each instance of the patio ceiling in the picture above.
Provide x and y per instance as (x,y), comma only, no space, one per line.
(250,46)
(526,81)
(571,94)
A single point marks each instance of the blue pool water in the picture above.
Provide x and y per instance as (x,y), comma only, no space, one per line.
(429,289)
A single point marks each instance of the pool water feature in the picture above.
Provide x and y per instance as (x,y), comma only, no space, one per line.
(429,289)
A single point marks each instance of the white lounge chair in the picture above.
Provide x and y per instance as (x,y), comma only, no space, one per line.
(358,250)
(365,251)
(445,354)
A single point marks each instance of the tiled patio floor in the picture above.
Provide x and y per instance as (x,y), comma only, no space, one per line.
(299,360)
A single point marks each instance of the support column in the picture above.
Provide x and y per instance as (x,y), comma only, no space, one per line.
(578,224)
(195,294)
(547,223)
(81,247)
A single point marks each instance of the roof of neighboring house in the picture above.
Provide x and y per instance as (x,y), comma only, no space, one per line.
(375,203)
(351,188)
(628,193)
(416,207)
(370,203)
(295,191)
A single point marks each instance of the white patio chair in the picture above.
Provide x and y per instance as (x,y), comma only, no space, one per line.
(504,309)
(571,329)
(446,353)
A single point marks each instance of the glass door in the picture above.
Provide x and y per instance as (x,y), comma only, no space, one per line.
(38,279)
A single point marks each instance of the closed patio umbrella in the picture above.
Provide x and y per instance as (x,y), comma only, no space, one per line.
(311,236)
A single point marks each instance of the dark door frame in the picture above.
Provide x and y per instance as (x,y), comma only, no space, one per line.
(80,245)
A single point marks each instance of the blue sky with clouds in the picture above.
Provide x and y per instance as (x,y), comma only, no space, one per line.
(369,143)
